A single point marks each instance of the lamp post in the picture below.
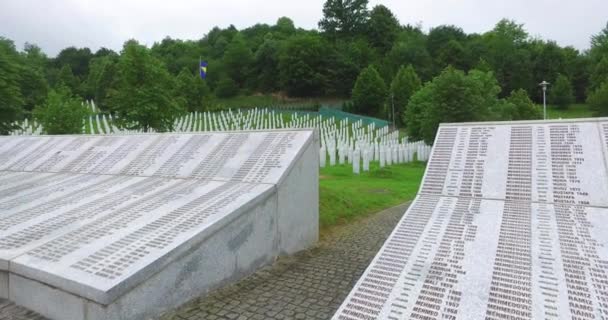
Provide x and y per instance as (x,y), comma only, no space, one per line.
(544,85)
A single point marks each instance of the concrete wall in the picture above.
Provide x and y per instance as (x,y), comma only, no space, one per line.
(4,284)
(298,204)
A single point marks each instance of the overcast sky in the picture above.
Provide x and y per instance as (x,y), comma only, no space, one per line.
(56,24)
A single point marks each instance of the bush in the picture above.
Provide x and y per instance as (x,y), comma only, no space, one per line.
(61,113)
(403,86)
(521,107)
(561,94)
(598,100)
(369,92)
(453,96)
(226,88)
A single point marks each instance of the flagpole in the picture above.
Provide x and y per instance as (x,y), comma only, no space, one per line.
(200,60)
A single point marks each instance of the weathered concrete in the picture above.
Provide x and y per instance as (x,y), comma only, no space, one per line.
(142,223)
(3,285)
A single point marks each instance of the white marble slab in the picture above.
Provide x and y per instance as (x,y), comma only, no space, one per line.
(466,258)
(511,222)
(97,215)
(566,159)
(110,250)
(247,156)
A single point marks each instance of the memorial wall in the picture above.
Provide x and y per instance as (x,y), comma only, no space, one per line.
(123,227)
(510,222)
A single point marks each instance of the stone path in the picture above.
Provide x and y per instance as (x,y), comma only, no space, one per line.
(309,285)
(9,311)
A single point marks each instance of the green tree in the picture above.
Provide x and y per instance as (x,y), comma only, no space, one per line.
(344,18)
(192,90)
(11,99)
(382,28)
(61,113)
(599,74)
(453,53)
(521,107)
(403,86)
(77,59)
(102,73)
(599,45)
(410,48)
(369,92)
(33,87)
(452,96)
(266,66)
(226,88)
(303,65)
(142,93)
(237,59)
(549,61)
(598,100)
(67,79)
(176,54)
(504,49)
(441,35)
(284,27)
(446,46)
(561,92)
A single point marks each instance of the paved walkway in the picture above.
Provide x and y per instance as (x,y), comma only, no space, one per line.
(9,311)
(309,285)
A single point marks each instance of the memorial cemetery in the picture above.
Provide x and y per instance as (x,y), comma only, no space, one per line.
(510,223)
(127,226)
(350,139)
(372,163)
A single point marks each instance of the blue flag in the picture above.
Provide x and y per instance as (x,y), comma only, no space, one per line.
(203,69)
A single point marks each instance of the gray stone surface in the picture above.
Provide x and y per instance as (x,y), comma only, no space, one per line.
(10,311)
(510,223)
(107,225)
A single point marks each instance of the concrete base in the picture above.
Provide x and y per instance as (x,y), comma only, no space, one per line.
(3,285)
(298,200)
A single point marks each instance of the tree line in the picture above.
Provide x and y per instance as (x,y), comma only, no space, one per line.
(360,54)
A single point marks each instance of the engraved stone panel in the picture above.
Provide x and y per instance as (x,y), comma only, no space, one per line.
(260,157)
(511,222)
(95,216)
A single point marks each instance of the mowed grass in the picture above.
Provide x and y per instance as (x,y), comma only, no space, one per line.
(574,111)
(345,196)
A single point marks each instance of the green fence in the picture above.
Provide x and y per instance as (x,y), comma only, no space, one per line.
(339,115)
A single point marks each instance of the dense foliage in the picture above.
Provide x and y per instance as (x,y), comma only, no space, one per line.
(152,85)
(369,93)
(598,100)
(61,113)
(403,86)
(560,94)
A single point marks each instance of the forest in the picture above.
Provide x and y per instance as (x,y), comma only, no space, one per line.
(364,56)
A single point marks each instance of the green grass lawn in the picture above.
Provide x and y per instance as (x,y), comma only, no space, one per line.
(344,195)
(574,111)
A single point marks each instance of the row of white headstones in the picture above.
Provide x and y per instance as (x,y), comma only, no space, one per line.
(342,141)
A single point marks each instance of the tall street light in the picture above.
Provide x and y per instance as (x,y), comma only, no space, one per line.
(544,85)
